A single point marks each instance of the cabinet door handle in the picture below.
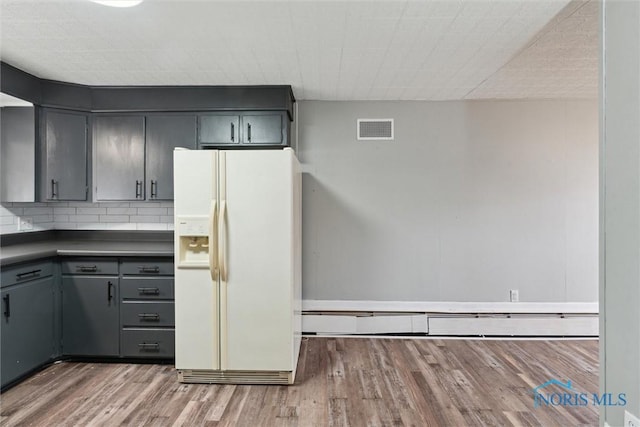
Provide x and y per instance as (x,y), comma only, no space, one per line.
(87,268)
(138,189)
(154,188)
(109,294)
(7,306)
(233,132)
(249,132)
(145,269)
(149,316)
(28,275)
(149,291)
(149,346)
(54,187)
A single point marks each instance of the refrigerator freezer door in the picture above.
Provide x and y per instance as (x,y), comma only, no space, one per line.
(196,294)
(256,235)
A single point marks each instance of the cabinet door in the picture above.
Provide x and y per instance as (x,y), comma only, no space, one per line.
(90,316)
(27,328)
(65,138)
(217,129)
(164,133)
(119,145)
(17,154)
(263,129)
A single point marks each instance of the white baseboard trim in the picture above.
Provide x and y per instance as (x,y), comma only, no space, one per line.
(450,318)
(450,306)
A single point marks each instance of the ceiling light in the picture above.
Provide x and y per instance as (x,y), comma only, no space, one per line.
(119,3)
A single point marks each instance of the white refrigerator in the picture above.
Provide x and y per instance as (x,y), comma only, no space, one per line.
(237,265)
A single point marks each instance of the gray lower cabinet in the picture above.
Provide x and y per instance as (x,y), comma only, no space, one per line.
(27,326)
(90,310)
(64,135)
(119,157)
(147,313)
(163,134)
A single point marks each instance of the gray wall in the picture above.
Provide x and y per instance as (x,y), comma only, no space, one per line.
(470,200)
(620,209)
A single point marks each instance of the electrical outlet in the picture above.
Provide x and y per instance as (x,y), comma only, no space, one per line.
(26,223)
(631,420)
(515,297)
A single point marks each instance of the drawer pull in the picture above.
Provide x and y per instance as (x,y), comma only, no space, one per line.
(28,275)
(149,291)
(145,269)
(149,346)
(7,306)
(87,268)
(149,316)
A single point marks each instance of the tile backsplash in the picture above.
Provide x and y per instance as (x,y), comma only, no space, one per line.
(86,216)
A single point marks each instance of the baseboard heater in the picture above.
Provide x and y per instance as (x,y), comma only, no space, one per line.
(458,324)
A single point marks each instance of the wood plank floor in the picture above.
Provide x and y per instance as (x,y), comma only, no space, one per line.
(340,382)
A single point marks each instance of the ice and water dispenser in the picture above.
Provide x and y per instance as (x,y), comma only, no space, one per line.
(193,241)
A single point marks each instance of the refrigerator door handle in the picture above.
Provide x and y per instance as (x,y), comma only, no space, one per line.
(223,249)
(213,241)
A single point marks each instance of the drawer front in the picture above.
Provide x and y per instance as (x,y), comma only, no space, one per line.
(151,314)
(90,266)
(147,288)
(26,272)
(151,343)
(148,267)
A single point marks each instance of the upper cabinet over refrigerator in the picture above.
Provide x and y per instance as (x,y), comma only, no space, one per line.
(237,237)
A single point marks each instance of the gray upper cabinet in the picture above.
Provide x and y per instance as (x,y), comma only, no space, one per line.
(119,146)
(264,128)
(65,140)
(17,154)
(163,134)
(243,129)
(219,129)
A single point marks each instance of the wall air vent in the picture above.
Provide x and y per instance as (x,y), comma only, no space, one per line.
(375,129)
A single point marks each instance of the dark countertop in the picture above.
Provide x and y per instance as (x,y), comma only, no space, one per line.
(86,244)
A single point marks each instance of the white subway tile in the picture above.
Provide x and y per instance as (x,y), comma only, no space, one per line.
(80,204)
(141,204)
(15,211)
(166,219)
(65,211)
(57,204)
(120,226)
(144,218)
(60,218)
(171,226)
(36,211)
(39,219)
(84,218)
(5,229)
(65,225)
(43,226)
(111,205)
(152,211)
(122,211)
(114,218)
(91,211)
(93,226)
(7,220)
(150,226)
(166,205)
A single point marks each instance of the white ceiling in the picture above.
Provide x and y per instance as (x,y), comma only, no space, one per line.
(330,50)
